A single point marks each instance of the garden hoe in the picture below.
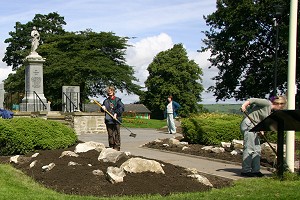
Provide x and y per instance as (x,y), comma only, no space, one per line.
(131,133)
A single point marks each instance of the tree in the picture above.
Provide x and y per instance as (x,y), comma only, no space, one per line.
(242,39)
(172,73)
(88,59)
(85,58)
(19,43)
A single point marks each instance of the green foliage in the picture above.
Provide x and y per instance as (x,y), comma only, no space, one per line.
(211,128)
(172,73)
(242,40)
(23,135)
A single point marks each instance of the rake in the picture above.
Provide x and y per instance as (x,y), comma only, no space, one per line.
(131,133)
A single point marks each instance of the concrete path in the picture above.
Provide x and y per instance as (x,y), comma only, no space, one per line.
(144,136)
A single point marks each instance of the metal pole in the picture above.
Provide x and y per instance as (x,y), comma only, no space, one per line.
(290,139)
(276,57)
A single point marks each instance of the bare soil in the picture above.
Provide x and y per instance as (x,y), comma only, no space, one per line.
(79,179)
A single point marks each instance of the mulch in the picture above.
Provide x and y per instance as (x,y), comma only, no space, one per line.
(79,179)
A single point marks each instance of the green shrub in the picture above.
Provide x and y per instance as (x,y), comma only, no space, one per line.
(23,135)
(211,128)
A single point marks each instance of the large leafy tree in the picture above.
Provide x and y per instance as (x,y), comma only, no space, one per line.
(172,73)
(242,41)
(85,58)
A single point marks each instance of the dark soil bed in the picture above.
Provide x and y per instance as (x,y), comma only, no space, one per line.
(80,180)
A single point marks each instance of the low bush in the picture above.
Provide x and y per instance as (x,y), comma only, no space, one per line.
(211,128)
(23,135)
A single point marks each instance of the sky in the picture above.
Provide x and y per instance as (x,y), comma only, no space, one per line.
(154,25)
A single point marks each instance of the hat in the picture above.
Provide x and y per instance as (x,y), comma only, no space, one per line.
(279,100)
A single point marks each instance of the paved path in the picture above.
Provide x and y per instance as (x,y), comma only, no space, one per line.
(133,145)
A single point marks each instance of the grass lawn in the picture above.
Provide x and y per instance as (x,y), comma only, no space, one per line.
(143,123)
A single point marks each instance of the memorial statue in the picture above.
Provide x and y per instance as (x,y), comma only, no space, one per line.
(35,38)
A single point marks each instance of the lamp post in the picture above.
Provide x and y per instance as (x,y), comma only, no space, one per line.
(278,13)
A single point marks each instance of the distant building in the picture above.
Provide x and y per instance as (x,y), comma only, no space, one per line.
(131,110)
(137,111)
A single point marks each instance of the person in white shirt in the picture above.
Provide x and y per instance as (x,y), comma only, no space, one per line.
(170,113)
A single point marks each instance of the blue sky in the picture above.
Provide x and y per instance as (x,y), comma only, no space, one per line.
(156,24)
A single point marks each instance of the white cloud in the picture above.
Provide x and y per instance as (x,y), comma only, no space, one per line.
(141,54)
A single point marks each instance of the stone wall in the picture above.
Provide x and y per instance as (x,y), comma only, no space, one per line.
(81,122)
(88,123)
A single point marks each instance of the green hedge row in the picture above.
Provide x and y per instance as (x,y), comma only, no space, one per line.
(211,128)
(23,135)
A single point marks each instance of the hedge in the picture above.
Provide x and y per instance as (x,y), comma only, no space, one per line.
(23,135)
(211,128)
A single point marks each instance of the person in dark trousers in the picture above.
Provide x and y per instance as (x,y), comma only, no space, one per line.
(171,113)
(260,109)
(114,106)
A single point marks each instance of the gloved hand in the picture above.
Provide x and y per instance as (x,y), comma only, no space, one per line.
(115,116)
(104,108)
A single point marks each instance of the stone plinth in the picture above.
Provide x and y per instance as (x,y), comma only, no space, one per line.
(34,99)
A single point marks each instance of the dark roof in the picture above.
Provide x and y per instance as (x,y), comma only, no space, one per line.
(137,108)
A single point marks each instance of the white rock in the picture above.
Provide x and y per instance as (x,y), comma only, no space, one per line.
(207,148)
(184,148)
(35,155)
(32,164)
(157,140)
(192,170)
(174,141)
(90,165)
(138,165)
(87,146)
(218,150)
(226,144)
(201,179)
(115,174)
(238,144)
(14,159)
(166,145)
(184,143)
(71,163)
(111,155)
(48,167)
(98,172)
(68,153)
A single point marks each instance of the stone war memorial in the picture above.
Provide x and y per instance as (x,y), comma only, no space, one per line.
(34,99)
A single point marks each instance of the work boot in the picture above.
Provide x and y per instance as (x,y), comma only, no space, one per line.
(258,174)
(247,174)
